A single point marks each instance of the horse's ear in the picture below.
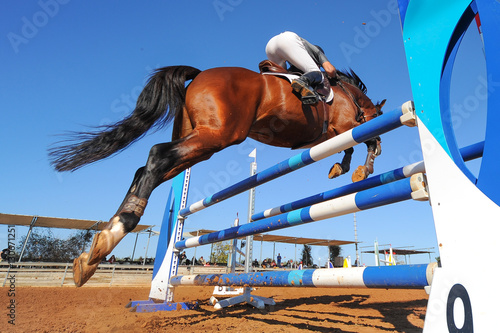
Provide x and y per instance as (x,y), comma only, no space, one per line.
(381,104)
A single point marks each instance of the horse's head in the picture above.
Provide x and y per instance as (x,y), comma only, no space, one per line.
(356,89)
(378,109)
(368,110)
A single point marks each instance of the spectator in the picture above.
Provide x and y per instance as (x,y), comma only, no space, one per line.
(279,259)
(112,259)
(202,261)
(255,263)
(273,264)
(4,255)
(183,257)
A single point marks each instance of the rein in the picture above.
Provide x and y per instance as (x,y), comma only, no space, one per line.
(360,116)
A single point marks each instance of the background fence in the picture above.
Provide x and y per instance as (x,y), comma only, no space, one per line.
(49,274)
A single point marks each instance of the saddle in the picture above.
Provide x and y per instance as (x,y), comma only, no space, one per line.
(324,89)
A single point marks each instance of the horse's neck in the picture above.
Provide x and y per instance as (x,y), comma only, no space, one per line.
(355,94)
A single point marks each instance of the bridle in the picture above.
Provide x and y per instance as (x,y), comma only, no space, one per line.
(360,116)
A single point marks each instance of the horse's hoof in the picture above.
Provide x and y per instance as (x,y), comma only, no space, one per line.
(361,173)
(82,272)
(335,171)
(101,247)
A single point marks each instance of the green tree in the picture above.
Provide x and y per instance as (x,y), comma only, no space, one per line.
(44,246)
(306,256)
(334,251)
(221,252)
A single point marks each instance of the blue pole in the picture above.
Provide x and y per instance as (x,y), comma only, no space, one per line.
(379,196)
(400,276)
(468,153)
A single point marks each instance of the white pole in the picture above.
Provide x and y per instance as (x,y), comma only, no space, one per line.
(251,210)
(194,256)
(147,247)
(356,239)
(233,248)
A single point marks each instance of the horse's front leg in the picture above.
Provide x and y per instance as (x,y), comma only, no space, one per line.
(373,150)
(127,217)
(343,167)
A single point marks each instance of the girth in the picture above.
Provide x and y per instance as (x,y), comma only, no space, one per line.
(323,118)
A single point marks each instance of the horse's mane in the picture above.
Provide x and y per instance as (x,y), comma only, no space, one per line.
(351,78)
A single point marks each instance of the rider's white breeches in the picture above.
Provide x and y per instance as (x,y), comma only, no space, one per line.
(288,46)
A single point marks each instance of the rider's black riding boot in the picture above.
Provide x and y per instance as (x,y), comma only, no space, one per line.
(304,86)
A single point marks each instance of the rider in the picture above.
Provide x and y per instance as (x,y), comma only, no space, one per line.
(308,58)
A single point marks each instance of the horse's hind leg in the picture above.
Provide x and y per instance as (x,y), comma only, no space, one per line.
(164,162)
(161,158)
(343,167)
(373,150)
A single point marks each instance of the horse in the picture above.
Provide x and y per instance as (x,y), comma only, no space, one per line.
(211,110)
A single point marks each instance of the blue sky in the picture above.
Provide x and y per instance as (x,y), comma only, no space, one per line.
(67,65)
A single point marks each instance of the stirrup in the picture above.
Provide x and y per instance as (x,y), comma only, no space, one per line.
(306,92)
(301,87)
(310,100)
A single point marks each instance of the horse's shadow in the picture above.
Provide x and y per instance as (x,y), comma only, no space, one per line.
(394,313)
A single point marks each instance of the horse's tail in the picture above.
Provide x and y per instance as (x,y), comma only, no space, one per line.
(161,100)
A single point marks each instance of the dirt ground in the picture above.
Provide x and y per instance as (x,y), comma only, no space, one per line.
(93,309)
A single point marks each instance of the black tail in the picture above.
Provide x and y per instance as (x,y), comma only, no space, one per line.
(159,102)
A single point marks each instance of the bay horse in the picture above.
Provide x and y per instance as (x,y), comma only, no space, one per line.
(220,107)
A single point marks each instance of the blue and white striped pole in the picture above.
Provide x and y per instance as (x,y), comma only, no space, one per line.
(382,195)
(375,127)
(400,276)
(468,153)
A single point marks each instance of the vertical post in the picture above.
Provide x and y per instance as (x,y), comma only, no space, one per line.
(295,255)
(135,244)
(177,236)
(212,253)
(194,256)
(377,259)
(6,275)
(251,210)
(274,251)
(32,224)
(64,276)
(261,245)
(166,262)
(112,275)
(356,239)
(233,248)
(147,247)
